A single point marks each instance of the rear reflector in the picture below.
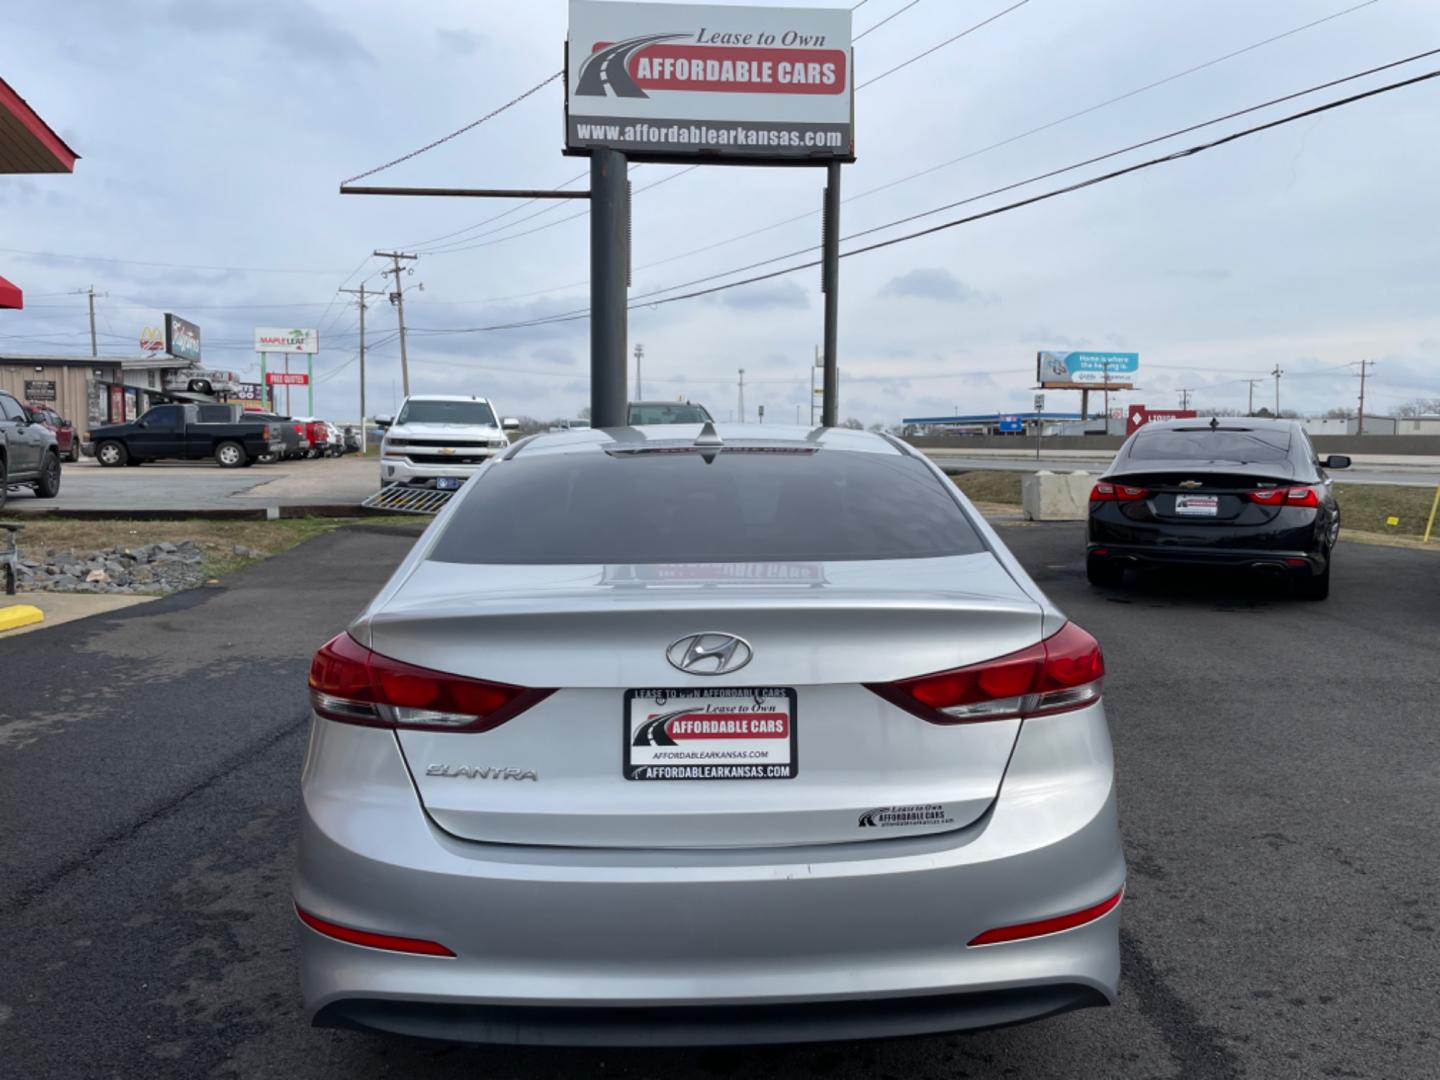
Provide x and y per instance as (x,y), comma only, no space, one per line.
(1061,673)
(1107,492)
(1295,496)
(370,940)
(1047,926)
(351,684)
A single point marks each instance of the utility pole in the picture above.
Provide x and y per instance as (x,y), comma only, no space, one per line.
(90,293)
(639,386)
(398,299)
(1184,398)
(1364,365)
(742,395)
(361,293)
(1277,373)
(1250,408)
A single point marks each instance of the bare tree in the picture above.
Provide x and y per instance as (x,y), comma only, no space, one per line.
(1417,407)
(853,424)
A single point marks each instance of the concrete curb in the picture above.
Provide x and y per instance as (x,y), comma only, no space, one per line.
(258,513)
(18,615)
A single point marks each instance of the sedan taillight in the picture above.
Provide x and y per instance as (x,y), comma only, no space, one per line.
(1063,672)
(1107,492)
(1295,496)
(351,684)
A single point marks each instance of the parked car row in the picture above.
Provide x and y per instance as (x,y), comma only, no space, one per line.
(230,435)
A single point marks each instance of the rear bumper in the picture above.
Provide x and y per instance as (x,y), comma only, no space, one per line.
(612,947)
(713,1025)
(1264,560)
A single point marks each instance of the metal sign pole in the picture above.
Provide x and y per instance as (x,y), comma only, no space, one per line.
(609,266)
(830,283)
(265,394)
(310,383)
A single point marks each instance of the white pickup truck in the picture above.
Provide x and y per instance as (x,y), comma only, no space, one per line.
(438,440)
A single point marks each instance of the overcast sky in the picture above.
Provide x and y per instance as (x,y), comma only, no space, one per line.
(214,133)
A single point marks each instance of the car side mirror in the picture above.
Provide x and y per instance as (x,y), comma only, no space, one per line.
(383,422)
(1337,461)
(510,424)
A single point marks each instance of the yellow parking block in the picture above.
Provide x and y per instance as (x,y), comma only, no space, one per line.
(18,615)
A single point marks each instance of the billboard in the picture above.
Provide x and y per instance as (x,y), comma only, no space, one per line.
(269,339)
(685,81)
(1137,416)
(1086,370)
(247,395)
(182,338)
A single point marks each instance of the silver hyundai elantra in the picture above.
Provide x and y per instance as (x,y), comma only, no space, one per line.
(677,735)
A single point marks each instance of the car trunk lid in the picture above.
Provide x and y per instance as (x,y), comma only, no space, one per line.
(632,752)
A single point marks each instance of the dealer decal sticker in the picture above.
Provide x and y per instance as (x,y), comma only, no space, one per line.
(895,817)
(728,733)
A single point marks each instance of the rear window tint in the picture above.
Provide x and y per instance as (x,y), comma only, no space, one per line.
(674,507)
(1203,444)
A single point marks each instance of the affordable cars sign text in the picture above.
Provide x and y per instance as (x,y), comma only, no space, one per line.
(685,80)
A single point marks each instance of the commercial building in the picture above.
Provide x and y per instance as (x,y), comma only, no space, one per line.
(91,390)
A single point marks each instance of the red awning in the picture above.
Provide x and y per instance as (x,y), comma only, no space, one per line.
(10,295)
(27,143)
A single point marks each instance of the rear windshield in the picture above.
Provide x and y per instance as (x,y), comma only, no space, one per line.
(447,412)
(1203,444)
(674,507)
(666,413)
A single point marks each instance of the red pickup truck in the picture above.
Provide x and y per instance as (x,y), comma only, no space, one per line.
(65,440)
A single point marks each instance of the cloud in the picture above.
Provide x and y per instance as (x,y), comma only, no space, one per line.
(294,28)
(460,41)
(930,283)
(1044,336)
(784,294)
(1201,274)
(553,354)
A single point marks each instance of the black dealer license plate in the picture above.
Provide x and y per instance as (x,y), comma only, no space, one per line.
(728,733)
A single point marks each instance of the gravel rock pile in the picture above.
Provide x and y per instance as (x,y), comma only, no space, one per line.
(153,568)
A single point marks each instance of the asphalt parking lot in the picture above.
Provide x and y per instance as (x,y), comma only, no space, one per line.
(204,486)
(1279,785)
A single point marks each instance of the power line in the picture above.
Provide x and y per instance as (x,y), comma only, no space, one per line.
(993,212)
(453,249)
(964,157)
(1052,173)
(941,45)
(893,15)
(457,132)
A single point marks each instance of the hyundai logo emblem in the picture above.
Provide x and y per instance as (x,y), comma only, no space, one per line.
(709,654)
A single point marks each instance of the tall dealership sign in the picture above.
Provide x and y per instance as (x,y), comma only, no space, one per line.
(687,81)
(1086,370)
(272,340)
(182,338)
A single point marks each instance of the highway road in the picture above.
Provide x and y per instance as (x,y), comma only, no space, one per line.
(1277,796)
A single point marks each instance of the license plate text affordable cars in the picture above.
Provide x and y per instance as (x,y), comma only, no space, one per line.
(730,733)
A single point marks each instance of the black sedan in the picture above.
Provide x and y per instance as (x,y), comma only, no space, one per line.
(1245,493)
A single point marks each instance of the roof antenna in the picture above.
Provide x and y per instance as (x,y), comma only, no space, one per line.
(709,436)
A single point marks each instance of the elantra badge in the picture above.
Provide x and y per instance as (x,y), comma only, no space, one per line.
(709,654)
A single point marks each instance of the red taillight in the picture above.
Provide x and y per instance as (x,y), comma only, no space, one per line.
(1048,926)
(265,432)
(1105,491)
(1295,496)
(1063,672)
(351,684)
(370,939)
